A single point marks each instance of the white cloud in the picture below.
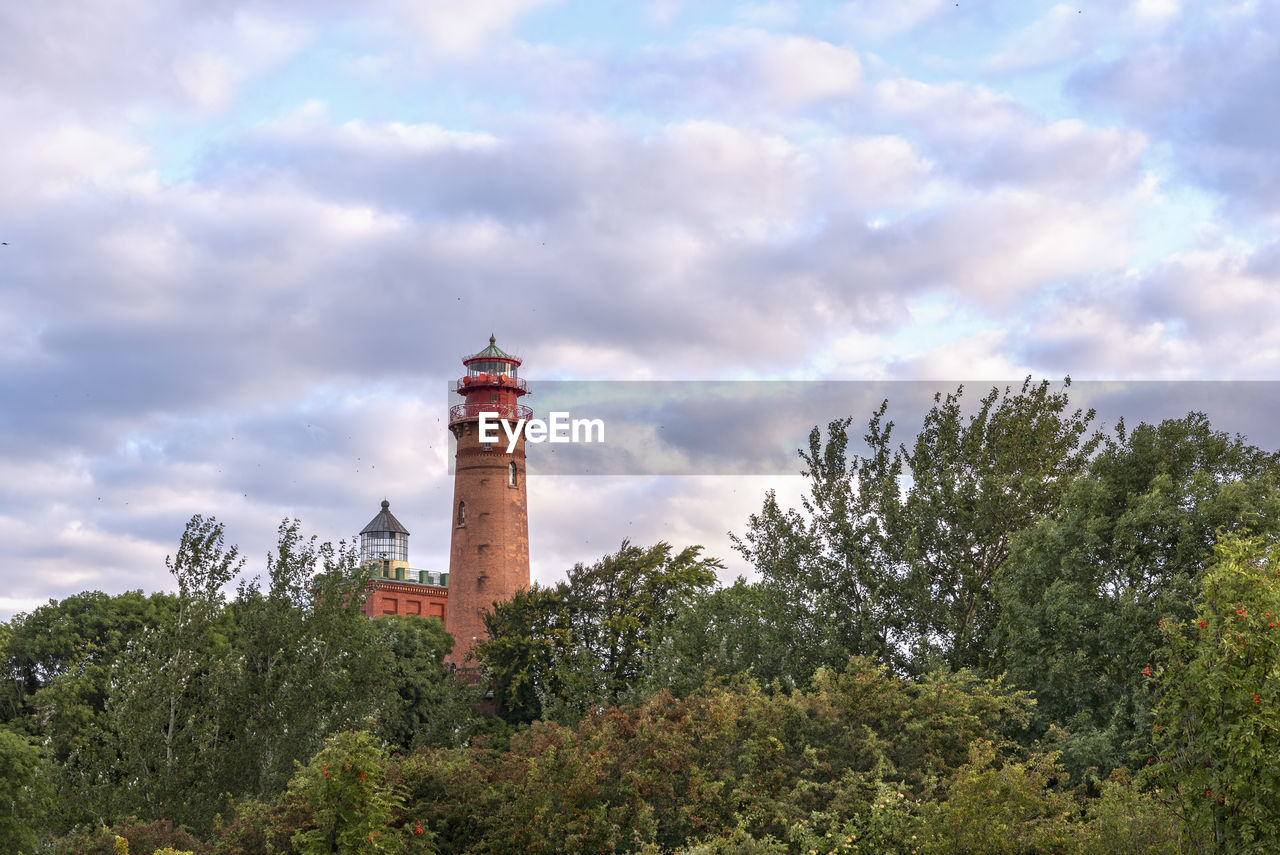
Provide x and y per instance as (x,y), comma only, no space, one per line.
(1063,33)
(462,29)
(212,76)
(665,12)
(1156,13)
(1205,86)
(980,356)
(1203,313)
(796,70)
(97,59)
(1067,33)
(875,19)
(53,156)
(979,135)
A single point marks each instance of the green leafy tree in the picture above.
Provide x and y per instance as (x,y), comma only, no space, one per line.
(998,805)
(10,689)
(740,629)
(669,772)
(170,688)
(826,565)
(1217,714)
(528,637)
(621,605)
(1128,820)
(895,553)
(82,632)
(976,481)
(59,658)
(348,807)
(23,792)
(431,706)
(1083,590)
(309,662)
(585,642)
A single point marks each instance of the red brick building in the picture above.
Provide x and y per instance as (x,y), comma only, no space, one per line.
(395,589)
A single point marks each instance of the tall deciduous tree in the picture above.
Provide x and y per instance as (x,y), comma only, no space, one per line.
(310,662)
(976,481)
(895,553)
(23,790)
(79,636)
(740,629)
(828,564)
(529,635)
(430,706)
(169,690)
(585,642)
(1083,590)
(58,658)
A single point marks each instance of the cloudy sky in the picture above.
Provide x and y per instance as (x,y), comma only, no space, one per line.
(247,242)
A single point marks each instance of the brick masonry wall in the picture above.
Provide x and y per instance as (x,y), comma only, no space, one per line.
(390,597)
(489,552)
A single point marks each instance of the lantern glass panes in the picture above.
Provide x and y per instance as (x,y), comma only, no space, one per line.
(491,367)
(384,546)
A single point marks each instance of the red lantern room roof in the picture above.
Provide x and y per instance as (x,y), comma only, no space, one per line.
(491,352)
(493,385)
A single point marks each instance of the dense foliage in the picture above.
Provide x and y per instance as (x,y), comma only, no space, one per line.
(962,644)
(172,707)
(565,650)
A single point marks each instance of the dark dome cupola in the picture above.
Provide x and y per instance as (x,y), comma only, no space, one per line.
(384,544)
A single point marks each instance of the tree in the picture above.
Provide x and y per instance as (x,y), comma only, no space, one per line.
(309,662)
(22,792)
(584,642)
(895,553)
(828,567)
(621,605)
(10,689)
(1217,711)
(998,806)
(58,658)
(431,706)
(740,629)
(86,629)
(169,690)
(343,795)
(1083,590)
(528,636)
(666,772)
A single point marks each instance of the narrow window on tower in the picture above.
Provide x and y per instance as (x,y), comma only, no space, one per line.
(493,398)
(511,473)
(462,513)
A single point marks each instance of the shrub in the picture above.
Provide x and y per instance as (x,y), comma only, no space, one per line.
(1217,714)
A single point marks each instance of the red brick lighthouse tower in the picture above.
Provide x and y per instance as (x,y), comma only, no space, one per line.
(489,553)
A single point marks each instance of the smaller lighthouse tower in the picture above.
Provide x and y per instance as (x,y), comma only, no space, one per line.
(394,589)
(489,550)
(384,545)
